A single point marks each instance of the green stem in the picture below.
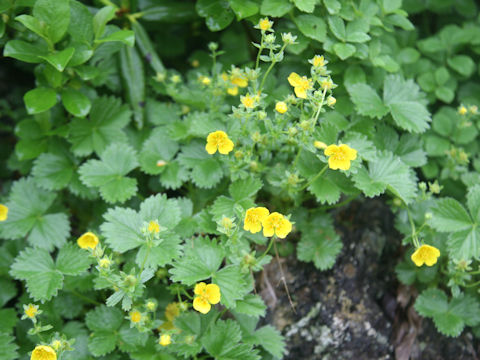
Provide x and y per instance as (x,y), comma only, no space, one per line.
(272,240)
(473,284)
(145,260)
(414,232)
(84,298)
(259,53)
(344,202)
(109,3)
(319,107)
(314,178)
(271,67)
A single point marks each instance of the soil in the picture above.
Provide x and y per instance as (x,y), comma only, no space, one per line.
(357,310)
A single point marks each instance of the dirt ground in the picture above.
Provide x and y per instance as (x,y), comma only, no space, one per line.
(357,310)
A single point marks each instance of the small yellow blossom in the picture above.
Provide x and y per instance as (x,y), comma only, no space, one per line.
(425,254)
(248,101)
(326,84)
(300,84)
(105,262)
(165,340)
(195,63)
(227,223)
(331,101)
(340,156)
(3,212)
(153,227)
(88,240)
(176,79)
(172,311)
(224,76)
(253,219)
(207,295)
(319,145)
(56,344)
(160,77)
(238,79)
(277,224)
(265,24)
(232,91)
(281,107)
(151,305)
(318,61)
(205,80)
(30,310)
(473,109)
(135,316)
(462,110)
(43,352)
(218,140)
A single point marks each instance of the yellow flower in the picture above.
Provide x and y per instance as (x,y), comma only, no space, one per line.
(88,240)
(104,263)
(165,340)
(248,101)
(218,140)
(206,295)
(151,305)
(425,254)
(326,84)
(277,224)
(319,145)
(238,78)
(331,101)
(233,91)
(195,63)
(340,156)
(265,24)
(224,76)
(253,219)
(318,61)
(300,84)
(135,316)
(462,110)
(205,80)
(153,227)
(43,352)
(30,310)
(3,212)
(281,107)
(176,79)
(172,311)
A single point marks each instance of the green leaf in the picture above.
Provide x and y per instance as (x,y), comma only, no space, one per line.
(76,103)
(81,23)
(305,5)
(100,20)
(60,59)
(473,201)
(410,150)
(410,116)
(271,340)
(145,44)
(133,75)
(8,320)
(130,339)
(53,171)
(159,208)
(337,26)
(158,147)
(9,290)
(27,216)
(275,8)
(33,24)
(107,119)
(222,341)
(243,8)
(343,50)
(462,64)
(161,255)
(174,175)
(8,347)
(388,172)
(24,51)
(451,317)
(464,244)
(217,13)
(201,260)
(37,268)
(320,244)
(55,14)
(367,101)
(246,188)
(312,26)
(251,305)
(104,318)
(39,100)
(449,215)
(71,260)
(102,342)
(124,36)
(325,190)
(233,285)
(108,173)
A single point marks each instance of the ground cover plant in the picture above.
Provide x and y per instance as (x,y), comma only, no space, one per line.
(157,155)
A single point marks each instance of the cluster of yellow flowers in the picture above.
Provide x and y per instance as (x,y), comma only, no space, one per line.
(462,110)
(236,79)
(273,224)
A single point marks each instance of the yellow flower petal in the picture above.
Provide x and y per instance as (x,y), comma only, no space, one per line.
(3,212)
(201,305)
(165,340)
(88,240)
(294,79)
(330,150)
(300,92)
(284,229)
(200,288)
(42,352)
(350,153)
(253,219)
(225,147)
(212,292)
(211,148)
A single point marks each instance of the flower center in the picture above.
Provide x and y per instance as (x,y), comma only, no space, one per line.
(339,155)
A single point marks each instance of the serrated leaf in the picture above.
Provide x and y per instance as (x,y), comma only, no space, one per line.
(107,119)
(158,147)
(8,320)
(122,229)
(130,339)
(449,215)
(174,175)
(245,188)
(8,347)
(464,244)
(37,268)
(102,342)
(71,260)
(104,318)
(27,207)
(271,340)
(387,172)
(473,201)
(201,260)
(251,305)
(206,169)
(325,190)
(108,173)
(162,254)
(53,171)
(367,100)
(158,207)
(232,283)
